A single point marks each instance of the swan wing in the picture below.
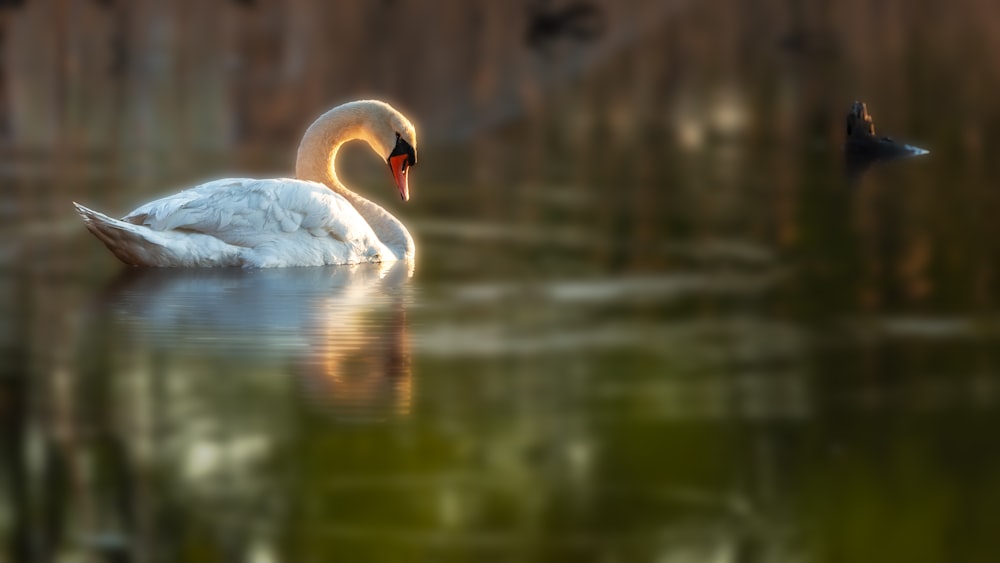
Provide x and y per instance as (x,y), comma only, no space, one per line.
(248,212)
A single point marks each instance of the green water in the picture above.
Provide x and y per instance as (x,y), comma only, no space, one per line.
(635,355)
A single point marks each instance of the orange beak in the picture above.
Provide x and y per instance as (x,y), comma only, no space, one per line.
(397,164)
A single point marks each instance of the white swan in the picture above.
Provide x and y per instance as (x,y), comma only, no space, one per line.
(311,220)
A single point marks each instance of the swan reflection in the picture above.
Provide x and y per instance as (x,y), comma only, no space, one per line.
(364,377)
(340,330)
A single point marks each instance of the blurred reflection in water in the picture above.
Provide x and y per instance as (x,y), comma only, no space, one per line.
(343,328)
(179,421)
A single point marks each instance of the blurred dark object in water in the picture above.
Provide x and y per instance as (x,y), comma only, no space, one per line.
(11,4)
(581,20)
(864,148)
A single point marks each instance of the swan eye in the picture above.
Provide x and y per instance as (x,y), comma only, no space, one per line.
(404,148)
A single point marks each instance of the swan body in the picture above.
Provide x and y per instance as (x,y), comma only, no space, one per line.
(311,220)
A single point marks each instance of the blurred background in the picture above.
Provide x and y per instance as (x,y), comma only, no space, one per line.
(651,319)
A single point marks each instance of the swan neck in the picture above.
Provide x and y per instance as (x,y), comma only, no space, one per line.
(321,143)
(316,161)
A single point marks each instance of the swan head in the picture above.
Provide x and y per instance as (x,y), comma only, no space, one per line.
(393,137)
(402,157)
(382,126)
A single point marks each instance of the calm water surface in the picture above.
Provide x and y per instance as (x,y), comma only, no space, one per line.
(681,364)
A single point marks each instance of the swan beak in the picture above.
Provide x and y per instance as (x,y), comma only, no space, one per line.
(398,165)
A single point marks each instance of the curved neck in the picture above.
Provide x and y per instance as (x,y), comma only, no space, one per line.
(316,162)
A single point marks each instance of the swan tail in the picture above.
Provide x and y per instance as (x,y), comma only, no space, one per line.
(138,245)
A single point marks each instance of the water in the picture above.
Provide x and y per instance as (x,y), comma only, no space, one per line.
(701,359)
